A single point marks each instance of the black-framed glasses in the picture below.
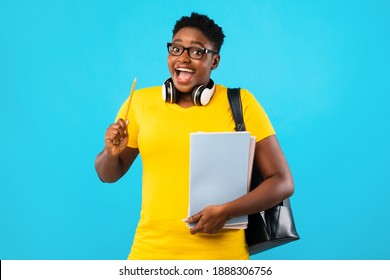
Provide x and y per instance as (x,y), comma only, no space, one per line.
(194,52)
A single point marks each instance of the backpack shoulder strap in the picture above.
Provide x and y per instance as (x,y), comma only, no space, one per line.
(236,108)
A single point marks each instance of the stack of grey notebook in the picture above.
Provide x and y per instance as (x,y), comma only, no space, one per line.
(220,170)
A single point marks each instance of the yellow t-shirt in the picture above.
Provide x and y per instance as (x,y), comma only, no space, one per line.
(161,131)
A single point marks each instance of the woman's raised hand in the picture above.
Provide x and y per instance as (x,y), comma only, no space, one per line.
(116,138)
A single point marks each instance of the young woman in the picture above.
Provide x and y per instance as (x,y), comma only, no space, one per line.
(159,130)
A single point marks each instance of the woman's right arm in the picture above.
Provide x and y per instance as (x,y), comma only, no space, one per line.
(116,158)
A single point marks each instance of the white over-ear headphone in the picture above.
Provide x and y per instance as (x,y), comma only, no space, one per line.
(201,94)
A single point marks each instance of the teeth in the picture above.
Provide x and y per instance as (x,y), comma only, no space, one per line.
(185,70)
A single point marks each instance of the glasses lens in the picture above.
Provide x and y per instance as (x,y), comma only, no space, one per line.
(175,49)
(196,53)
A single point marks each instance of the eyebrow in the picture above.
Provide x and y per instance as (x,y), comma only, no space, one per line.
(192,42)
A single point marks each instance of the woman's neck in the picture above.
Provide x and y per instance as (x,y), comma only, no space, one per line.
(185,99)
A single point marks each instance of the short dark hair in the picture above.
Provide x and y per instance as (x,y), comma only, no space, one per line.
(207,26)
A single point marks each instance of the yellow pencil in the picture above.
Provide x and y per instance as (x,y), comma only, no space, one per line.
(130,97)
(127,110)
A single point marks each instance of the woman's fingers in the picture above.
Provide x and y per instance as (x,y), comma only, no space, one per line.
(116,137)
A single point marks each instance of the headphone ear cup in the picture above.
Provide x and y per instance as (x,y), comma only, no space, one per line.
(197,95)
(201,95)
(168,91)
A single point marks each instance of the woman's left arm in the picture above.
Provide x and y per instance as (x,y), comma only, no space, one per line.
(277,185)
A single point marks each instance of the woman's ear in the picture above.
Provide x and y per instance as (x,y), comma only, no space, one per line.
(216,59)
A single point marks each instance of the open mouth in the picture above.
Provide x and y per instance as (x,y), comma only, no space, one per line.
(184,74)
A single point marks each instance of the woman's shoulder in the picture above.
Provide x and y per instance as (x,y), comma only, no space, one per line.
(147,94)
(221,87)
(148,90)
(246,95)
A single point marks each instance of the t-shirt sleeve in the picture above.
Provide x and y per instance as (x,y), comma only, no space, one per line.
(131,116)
(255,118)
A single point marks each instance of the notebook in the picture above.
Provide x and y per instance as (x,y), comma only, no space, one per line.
(220,170)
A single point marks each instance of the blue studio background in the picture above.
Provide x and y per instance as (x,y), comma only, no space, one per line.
(319,68)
